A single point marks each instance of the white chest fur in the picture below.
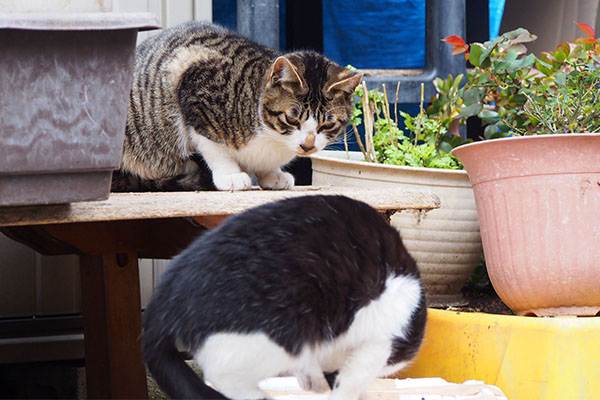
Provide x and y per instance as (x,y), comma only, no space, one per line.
(236,363)
(265,152)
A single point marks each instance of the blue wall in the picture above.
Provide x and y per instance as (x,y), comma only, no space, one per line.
(375,33)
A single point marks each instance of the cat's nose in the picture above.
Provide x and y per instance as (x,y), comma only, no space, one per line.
(306,148)
(309,142)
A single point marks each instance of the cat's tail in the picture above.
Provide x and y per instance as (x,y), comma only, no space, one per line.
(172,373)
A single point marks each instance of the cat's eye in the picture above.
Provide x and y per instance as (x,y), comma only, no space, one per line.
(292,117)
(326,127)
(293,113)
(329,124)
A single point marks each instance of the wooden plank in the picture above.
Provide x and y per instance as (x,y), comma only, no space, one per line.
(112,327)
(152,238)
(128,206)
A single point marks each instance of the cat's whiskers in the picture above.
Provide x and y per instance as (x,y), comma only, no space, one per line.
(350,139)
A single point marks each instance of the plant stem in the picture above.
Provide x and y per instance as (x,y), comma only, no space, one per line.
(396,104)
(420,119)
(359,141)
(368,122)
(346,145)
(386,114)
(396,108)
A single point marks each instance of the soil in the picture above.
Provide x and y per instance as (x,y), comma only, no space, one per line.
(482,299)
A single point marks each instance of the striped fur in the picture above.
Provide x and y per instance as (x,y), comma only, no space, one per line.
(201,92)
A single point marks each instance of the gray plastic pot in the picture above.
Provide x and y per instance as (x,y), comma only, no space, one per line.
(64,87)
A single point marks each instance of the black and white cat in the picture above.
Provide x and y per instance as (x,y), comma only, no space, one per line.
(320,287)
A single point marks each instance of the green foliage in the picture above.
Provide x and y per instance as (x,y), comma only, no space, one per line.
(572,107)
(426,144)
(479,277)
(515,93)
(428,153)
(425,155)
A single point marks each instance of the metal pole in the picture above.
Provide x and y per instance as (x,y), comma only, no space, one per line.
(444,18)
(259,20)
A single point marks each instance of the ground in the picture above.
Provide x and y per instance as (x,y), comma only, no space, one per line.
(483,299)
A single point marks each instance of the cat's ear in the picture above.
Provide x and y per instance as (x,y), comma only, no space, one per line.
(284,71)
(346,84)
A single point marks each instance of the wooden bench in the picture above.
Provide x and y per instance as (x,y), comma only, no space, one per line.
(110,236)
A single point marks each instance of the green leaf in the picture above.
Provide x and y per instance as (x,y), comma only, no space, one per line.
(475,53)
(445,147)
(560,78)
(559,57)
(482,79)
(544,68)
(473,95)
(524,37)
(471,110)
(447,84)
(490,131)
(503,127)
(434,107)
(519,35)
(525,62)
(564,48)
(457,81)
(517,48)
(488,115)
(511,56)
(438,83)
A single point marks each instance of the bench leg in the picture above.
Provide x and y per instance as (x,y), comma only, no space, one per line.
(112,326)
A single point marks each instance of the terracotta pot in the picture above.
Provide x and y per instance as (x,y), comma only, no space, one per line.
(444,242)
(538,201)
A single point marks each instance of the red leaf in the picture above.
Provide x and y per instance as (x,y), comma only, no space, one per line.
(459,45)
(586,40)
(588,30)
(459,49)
(455,40)
(453,127)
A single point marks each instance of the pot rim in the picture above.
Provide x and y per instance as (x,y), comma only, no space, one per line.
(329,155)
(560,322)
(90,21)
(500,141)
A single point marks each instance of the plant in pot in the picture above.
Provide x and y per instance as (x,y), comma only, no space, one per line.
(445,242)
(537,184)
(537,190)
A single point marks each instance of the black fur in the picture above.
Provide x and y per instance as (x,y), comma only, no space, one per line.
(297,270)
(126,182)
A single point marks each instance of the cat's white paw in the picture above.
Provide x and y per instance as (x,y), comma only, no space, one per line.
(313,383)
(233,182)
(276,180)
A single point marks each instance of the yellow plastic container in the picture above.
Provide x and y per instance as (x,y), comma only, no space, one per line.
(527,357)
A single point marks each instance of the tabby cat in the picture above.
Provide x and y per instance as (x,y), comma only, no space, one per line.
(320,287)
(211,109)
